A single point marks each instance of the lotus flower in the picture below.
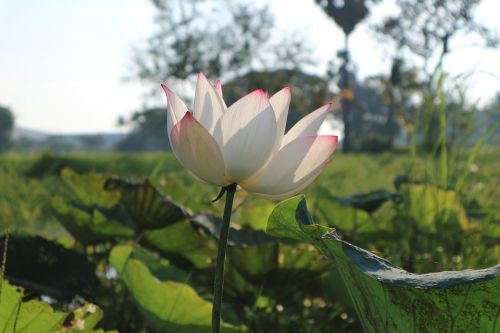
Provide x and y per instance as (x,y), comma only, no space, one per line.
(246,143)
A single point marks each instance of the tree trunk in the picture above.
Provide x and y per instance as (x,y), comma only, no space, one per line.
(346,100)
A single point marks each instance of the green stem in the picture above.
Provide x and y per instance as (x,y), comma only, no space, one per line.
(221,255)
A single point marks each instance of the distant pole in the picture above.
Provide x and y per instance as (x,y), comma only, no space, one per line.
(346,97)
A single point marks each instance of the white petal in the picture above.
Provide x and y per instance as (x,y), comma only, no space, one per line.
(176,108)
(294,167)
(218,89)
(309,125)
(246,134)
(304,183)
(280,103)
(207,104)
(198,151)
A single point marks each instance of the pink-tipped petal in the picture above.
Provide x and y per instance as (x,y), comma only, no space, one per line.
(294,167)
(305,183)
(218,89)
(198,151)
(176,108)
(246,134)
(207,104)
(280,103)
(309,125)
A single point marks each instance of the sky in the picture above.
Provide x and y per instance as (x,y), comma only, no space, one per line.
(63,63)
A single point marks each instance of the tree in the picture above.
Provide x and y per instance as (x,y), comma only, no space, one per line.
(198,35)
(347,15)
(425,29)
(6,127)
(149,131)
(224,39)
(195,35)
(398,90)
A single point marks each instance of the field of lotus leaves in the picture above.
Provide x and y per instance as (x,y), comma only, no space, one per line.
(127,243)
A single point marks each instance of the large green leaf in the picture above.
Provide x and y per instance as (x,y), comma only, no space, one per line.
(148,208)
(167,305)
(183,241)
(159,267)
(93,217)
(389,299)
(89,188)
(19,316)
(254,213)
(90,225)
(31,317)
(47,268)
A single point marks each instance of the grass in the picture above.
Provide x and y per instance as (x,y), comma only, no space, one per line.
(23,199)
